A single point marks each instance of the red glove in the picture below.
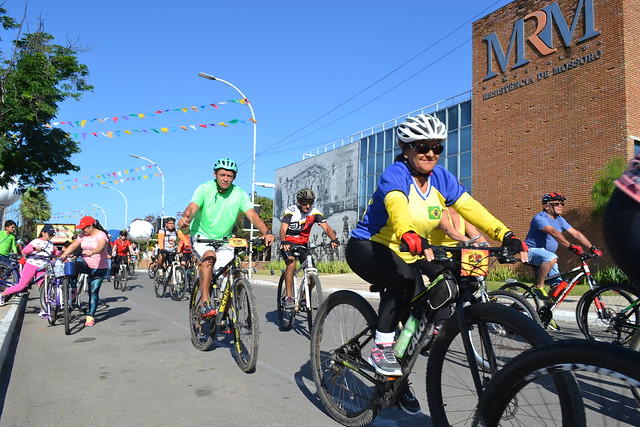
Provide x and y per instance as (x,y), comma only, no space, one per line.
(576,249)
(596,252)
(414,242)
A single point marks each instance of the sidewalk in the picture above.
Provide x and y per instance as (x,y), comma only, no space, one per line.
(9,315)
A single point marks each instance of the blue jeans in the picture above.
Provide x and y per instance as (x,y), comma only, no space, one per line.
(539,255)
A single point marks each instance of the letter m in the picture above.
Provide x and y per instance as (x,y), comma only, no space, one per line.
(555,15)
(494,48)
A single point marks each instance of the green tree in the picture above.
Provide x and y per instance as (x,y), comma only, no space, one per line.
(266,214)
(603,188)
(35,76)
(34,208)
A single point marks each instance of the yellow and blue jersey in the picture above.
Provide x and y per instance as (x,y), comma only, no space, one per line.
(399,206)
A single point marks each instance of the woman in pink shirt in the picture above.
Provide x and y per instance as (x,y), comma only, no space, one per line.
(94,243)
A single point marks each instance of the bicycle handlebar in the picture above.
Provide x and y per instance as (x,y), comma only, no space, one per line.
(502,253)
(216,243)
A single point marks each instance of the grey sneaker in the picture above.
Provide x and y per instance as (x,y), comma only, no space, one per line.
(383,359)
(289,303)
(408,402)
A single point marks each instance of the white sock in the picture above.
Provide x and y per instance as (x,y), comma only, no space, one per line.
(385,337)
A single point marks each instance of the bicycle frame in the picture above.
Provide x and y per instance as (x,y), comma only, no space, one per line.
(308,268)
(582,271)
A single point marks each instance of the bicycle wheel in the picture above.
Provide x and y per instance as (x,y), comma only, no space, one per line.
(53,299)
(315,299)
(525,393)
(203,330)
(608,314)
(131,268)
(286,316)
(160,286)
(515,301)
(84,294)
(177,286)
(9,274)
(526,292)
(66,305)
(245,324)
(123,279)
(152,270)
(451,390)
(341,339)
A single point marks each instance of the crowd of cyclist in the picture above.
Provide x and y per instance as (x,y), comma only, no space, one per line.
(413,197)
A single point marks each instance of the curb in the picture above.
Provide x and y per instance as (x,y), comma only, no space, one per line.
(7,327)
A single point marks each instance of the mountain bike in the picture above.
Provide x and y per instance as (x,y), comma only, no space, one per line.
(131,265)
(602,390)
(120,278)
(190,275)
(470,348)
(307,295)
(235,304)
(610,313)
(152,269)
(173,278)
(546,307)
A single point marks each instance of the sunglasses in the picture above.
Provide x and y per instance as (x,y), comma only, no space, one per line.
(424,148)
(305,202)
(557,204)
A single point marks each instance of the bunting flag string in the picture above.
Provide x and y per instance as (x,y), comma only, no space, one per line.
(82,122)
(130,171)
(97,184)
(73,213)
(161,130)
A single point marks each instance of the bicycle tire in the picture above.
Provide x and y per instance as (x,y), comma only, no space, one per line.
(605,373)
(152,270)
(66,305)
(84,294)
(52,296)
(515,301)
(9,274)
(159,286)
(245,325)
(116,280)
(315,299)
(526,291)
(123,279)
(286,316)
(611,324)
(203,330)
(341,338)
(131,268)
(451,392)
(177,289)
(42,289)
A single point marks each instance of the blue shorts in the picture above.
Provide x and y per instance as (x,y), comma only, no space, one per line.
(539,255)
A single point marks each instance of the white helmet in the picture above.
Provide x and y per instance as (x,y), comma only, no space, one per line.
(421,127)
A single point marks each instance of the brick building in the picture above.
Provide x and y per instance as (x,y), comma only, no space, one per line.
(556,95)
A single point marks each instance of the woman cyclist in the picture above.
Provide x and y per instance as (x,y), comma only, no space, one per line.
(405,208)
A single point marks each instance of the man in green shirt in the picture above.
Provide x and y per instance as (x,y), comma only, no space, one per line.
(7,238)
(211,214)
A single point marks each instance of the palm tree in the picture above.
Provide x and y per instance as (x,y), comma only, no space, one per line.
(34,207)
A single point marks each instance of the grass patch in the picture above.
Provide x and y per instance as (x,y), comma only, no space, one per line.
(334,267)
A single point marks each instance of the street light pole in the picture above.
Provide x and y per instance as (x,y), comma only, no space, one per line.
(103,213)
(126,205)
(253,167)
(161,176)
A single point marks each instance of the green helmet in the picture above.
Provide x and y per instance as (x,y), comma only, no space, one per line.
(227,164)
(306,194)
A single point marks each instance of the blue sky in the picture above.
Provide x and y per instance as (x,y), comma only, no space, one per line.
(295,61)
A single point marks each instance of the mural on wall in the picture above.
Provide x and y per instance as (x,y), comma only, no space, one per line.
(333,178)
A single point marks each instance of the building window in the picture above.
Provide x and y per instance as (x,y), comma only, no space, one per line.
(636,147)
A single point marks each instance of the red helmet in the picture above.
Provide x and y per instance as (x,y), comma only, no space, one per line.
(549,197)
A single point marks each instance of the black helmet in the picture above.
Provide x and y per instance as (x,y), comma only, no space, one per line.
(123,233)
(550,197)
(305,194)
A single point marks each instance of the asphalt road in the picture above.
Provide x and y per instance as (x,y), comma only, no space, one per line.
(137,366)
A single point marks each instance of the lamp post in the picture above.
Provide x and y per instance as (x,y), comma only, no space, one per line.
(253,168)
(126,205)
(103,213)
(161,176)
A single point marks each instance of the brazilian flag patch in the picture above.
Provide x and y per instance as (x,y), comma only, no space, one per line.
(434,212)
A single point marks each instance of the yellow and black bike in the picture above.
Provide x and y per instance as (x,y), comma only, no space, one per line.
(235,304)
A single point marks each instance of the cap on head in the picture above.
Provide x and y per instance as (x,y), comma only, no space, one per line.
(85,222)
(550,197)
(421,127)
(226,163)
(48,228)
(305,194)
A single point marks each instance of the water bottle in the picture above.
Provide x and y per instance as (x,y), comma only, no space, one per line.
(405,336)
(58,268)
(557,290)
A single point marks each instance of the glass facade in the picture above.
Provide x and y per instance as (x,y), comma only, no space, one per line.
(378,151)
